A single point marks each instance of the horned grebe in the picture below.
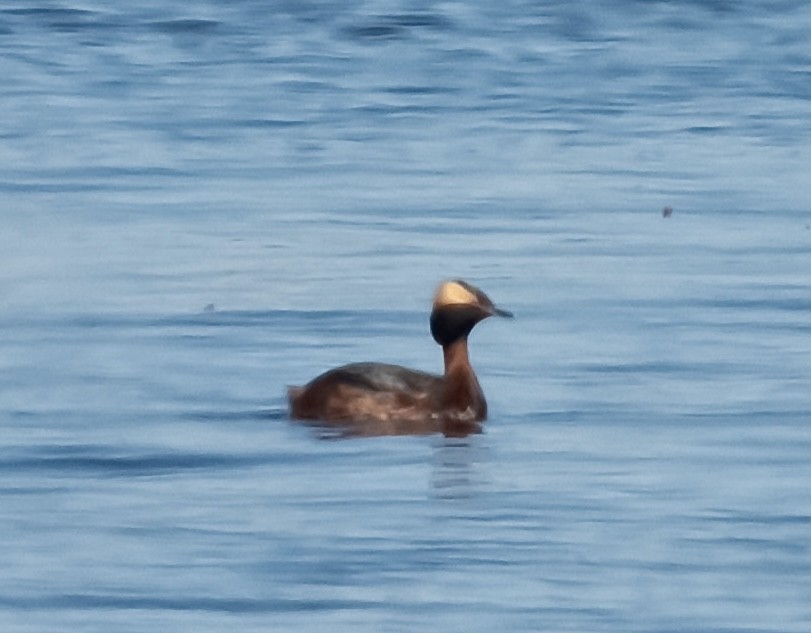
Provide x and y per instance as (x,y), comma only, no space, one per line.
(384,399)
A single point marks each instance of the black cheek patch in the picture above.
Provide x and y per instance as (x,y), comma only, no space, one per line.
(450,323)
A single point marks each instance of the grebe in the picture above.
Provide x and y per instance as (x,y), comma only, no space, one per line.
(383,399)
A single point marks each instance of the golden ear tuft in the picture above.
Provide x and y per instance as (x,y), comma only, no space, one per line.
(453,293)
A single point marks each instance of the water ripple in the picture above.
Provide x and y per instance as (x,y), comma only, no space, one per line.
(206,604)
(69,460)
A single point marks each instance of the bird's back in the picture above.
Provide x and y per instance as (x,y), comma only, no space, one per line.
(362,391)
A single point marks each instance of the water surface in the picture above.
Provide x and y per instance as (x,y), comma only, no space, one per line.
(204,203)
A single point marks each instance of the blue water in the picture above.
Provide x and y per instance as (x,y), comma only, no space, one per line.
(204,202)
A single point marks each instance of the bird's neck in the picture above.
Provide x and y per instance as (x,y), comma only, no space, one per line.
(461,387)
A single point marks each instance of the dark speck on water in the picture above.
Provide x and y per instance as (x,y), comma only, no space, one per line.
(205,202)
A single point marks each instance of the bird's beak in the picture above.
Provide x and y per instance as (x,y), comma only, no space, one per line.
(501,313)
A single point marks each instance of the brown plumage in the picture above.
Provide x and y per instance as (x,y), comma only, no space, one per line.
(383,399)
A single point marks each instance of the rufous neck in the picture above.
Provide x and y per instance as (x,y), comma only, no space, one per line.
(456,358)
(461,391)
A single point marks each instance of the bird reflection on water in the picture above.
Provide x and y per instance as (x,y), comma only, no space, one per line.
(455,468)
(347,429)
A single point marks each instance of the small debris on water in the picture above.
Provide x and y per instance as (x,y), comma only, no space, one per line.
(667,212)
